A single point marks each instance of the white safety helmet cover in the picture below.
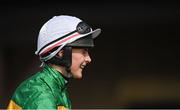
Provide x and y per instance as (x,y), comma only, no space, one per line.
(60,31)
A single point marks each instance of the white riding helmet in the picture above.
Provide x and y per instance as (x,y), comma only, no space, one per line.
(60,31)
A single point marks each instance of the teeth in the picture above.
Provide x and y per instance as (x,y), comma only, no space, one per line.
(82,66)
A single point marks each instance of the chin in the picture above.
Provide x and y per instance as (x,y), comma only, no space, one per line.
(77,75)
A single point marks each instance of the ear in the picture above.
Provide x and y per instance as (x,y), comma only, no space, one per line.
(61,53)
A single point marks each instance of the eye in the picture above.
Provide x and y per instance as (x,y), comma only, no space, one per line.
(85,51)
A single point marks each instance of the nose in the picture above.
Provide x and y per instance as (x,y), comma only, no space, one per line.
(87,58)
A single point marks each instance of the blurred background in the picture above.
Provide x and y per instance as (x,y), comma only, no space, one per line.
(135,63)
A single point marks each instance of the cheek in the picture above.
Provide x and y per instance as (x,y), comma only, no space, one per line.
(77,60)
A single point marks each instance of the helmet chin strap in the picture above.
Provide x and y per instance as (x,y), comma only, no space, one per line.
(68,74)
(64,61)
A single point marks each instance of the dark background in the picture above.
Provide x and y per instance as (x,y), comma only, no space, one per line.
(135,63)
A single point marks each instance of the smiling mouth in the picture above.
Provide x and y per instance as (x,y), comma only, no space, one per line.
(82,66)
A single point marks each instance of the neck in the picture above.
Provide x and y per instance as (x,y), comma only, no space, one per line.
(60,69)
